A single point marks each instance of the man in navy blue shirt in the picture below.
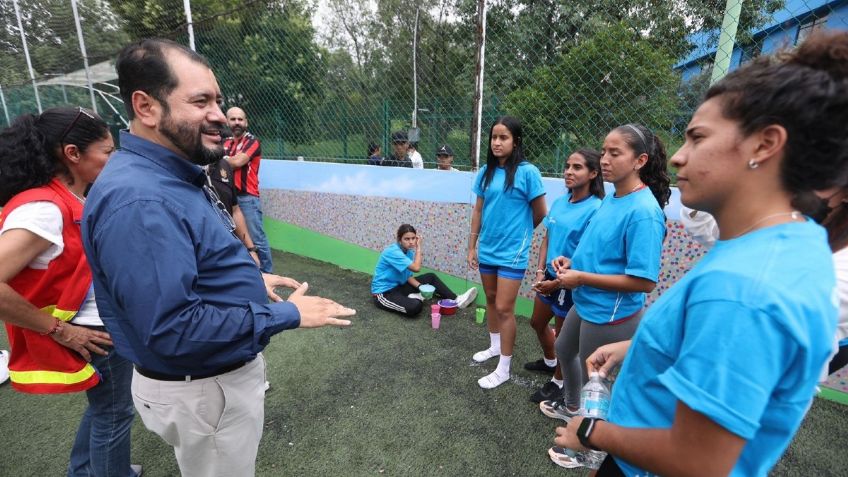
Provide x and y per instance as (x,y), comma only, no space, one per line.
(178,292)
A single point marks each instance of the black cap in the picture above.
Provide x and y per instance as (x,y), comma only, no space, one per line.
(400,136)
(445,150)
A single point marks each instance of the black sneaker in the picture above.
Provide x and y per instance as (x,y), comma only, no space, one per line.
(547,392)
(540,366)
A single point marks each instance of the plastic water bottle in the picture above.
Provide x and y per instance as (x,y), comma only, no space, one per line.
(594,402)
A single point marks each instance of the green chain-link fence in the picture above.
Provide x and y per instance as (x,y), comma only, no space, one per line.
(322,80)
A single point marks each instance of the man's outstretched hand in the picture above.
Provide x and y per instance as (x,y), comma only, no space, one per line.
(316,312)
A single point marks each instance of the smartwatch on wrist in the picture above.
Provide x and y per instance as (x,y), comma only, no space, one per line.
(253,249)
(587,425)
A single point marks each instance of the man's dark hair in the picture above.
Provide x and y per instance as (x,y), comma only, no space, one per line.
(142,66)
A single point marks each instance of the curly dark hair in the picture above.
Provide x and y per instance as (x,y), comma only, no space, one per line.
(655,172)
(30,148)
(806,92)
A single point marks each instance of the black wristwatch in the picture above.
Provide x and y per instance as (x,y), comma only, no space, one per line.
(253,249)
(587,425)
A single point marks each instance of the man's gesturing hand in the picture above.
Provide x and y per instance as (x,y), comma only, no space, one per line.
(316,312)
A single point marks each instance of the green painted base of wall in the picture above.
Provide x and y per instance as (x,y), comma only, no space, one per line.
(833,395)
(307,243)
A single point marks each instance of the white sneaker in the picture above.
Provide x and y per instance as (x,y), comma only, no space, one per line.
(492,380)
(486,355)
(560,457)
(4,365)
(417,296)
(467,298)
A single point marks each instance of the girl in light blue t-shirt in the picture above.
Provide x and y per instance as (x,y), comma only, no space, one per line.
(395,288)
(725,363)
(510,204)
(564,225)
(617,260)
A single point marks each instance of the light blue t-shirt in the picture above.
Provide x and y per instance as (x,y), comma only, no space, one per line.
(507,223)
(392,269)
(742,339)
(565,224)
(624,237)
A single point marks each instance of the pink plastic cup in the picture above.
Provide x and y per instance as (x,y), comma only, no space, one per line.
(435,308)
(436,320)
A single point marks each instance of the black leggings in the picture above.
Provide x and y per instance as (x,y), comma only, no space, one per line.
(839,360)
(396,299)
(609,468)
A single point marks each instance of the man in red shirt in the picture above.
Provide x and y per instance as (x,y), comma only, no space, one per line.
(244,153)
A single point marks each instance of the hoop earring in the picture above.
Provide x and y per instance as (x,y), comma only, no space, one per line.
(752,164)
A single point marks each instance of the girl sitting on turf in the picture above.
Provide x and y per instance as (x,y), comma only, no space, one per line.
(395,288)
(617,260)
(565,224)
(510,204)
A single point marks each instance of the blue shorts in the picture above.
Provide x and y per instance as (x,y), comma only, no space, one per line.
(503,272)
(559,300)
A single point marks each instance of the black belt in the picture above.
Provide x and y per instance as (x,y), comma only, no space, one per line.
(185,377)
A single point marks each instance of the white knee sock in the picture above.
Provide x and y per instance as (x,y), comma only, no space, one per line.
(495,342)
(497,377)
(503,365)
(493,350)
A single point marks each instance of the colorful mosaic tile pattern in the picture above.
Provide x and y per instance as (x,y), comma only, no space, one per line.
(371,222)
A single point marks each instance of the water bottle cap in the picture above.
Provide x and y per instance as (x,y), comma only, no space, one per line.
(594,374)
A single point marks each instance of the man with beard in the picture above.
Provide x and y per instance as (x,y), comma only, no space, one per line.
(244,153)
(177,291)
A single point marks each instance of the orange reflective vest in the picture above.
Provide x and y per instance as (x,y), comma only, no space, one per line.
(38,364)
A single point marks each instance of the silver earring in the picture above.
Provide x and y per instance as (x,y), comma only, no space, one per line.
(752,164)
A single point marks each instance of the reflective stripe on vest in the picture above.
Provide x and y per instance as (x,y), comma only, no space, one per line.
(64,315)
(52,377)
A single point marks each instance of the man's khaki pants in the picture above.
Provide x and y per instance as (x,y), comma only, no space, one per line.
(213,424)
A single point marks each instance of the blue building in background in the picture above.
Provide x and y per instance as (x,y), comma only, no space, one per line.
(787,27)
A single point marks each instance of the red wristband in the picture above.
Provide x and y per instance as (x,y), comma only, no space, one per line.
(55,329)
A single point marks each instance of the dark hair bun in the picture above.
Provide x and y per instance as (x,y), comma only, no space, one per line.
(824,51)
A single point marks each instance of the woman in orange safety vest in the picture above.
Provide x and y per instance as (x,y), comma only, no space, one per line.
(58,342)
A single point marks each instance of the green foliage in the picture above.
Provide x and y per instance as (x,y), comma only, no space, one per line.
(612,78)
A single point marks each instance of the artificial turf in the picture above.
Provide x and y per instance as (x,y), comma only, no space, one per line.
(388,396)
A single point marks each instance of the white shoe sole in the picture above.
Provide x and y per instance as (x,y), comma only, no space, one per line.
(467,298)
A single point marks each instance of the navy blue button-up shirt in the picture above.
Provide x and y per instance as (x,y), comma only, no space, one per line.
(177,291)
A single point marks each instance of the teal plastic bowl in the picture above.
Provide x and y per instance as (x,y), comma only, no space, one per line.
(427,291)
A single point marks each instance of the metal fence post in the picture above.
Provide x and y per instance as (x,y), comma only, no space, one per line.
(26,53)
(187,8)
(5,110)
(84,57)
(727,39)
(477,123)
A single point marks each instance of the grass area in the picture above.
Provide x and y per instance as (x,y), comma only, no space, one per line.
(387,396)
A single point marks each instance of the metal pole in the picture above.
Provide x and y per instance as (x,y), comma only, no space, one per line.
(415,72)
(26,53)
(187,8)
(84,56)
(478,85)
(727,38)
(5,110)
